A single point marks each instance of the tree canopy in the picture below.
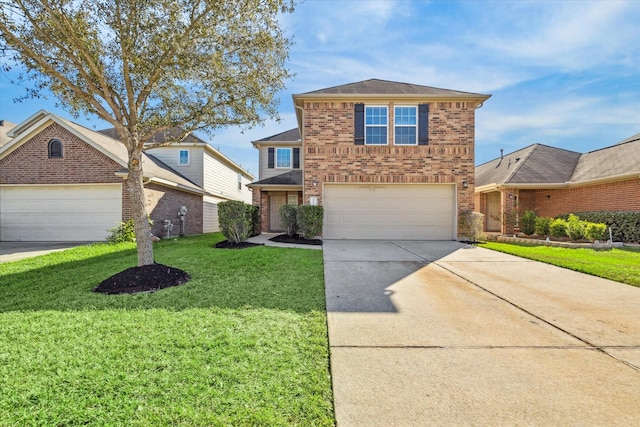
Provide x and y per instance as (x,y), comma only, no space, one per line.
(147,66)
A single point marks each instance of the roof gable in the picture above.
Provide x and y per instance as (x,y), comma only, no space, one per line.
(291,135)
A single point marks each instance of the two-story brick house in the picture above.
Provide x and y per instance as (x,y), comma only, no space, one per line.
(387,160)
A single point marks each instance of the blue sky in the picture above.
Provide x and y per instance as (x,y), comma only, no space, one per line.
(561,73)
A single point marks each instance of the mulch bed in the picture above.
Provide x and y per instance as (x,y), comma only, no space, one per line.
(296,239)
(147,278)
(225,244)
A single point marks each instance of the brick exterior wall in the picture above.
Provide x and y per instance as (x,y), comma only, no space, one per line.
(82,164)
(612,196)
(164,203)
(330,154)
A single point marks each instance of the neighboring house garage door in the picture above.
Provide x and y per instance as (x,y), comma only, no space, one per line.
(395,211)
(59,213)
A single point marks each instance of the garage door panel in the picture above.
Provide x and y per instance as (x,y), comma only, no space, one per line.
(59,213)
(407,212)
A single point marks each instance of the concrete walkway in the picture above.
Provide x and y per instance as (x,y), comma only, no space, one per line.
(439,333)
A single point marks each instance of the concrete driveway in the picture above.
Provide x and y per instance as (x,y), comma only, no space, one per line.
(440,333)
(15,251)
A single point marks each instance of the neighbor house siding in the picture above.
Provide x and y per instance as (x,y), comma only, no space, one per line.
(222,181)
(171,156)
(331,156)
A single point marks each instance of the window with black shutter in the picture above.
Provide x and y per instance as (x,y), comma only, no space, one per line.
(423,124)
(359,124)
(271,157)
(296,158)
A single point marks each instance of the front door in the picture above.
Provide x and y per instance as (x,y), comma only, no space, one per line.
(494,222)
(274,212)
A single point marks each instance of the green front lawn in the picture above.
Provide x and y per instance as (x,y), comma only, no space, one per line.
(243,343)
(620,265)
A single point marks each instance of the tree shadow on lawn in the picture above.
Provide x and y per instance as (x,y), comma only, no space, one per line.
(260,277)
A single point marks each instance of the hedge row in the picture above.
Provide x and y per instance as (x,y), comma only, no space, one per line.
(625,225)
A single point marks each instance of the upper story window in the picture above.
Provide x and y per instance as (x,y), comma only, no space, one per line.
(184,157)
(239,181)
(410,124)
(55,149)
(375,129)
(405,125)
(283,158)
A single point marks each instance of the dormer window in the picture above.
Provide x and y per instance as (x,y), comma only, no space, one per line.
(55,149)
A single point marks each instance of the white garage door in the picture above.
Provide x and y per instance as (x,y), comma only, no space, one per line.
(403,212)
(59,213)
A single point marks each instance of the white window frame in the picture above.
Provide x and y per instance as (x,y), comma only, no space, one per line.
(396,125)
(180,157)
(294,198)
(290,158)
(372,126)
(239,181)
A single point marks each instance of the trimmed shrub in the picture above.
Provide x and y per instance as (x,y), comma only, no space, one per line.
(558,228)
(541,227)
(310,220)
(593,231)
(288,219)
(256,224)
(123,232)
(235,220)
(528,222)
(575,227)
(472,225)
(625,225)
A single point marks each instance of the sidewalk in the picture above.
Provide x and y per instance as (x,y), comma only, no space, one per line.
(264,239)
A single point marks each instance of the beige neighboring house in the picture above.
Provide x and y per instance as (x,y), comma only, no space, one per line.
(552,181)
(221,178)
(60,181)
(386,160)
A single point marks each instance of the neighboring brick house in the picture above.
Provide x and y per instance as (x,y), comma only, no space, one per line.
(387,160)
(552,181)
(60,181)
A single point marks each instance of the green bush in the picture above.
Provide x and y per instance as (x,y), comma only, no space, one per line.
(542,224)
(288,219)
(593,231)
(528,222)
(256,223)
(625,225)
(575,227)
(235,220)
(558,228)
(123,232)
(310,220)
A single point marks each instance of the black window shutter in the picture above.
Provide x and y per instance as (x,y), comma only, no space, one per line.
(359,124)
(296,158)
(423,124)
(272,156)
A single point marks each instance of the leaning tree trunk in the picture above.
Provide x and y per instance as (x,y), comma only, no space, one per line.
(140,221)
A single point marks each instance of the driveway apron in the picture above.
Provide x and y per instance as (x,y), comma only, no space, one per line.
(442,333)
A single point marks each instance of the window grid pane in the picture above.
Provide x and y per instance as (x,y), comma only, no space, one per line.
(375,126)
(405,125)
(283,158)
(184,157)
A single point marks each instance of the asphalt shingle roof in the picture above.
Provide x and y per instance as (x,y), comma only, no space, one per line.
(385,87)
(291,135)
(541,164)
(288,178)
